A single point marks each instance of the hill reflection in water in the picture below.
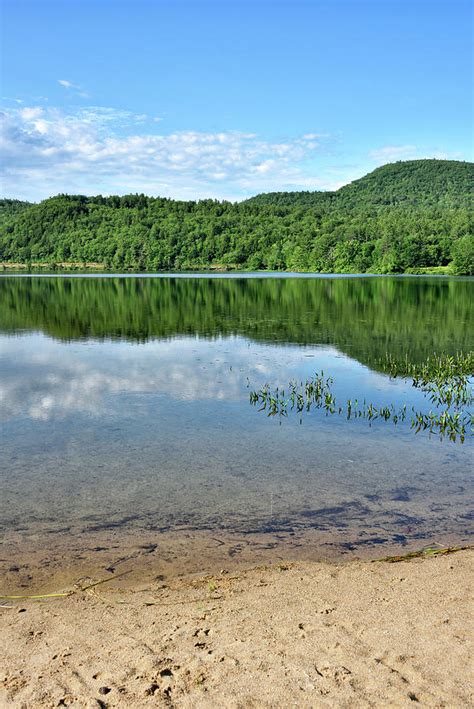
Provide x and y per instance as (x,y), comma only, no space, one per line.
(364,317)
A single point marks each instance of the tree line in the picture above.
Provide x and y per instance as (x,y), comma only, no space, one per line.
(403,217)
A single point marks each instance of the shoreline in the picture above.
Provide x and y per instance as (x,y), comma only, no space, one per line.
(46,562)
(100,269)
(306,634)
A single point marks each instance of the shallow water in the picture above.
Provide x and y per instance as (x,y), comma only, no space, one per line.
(125,415)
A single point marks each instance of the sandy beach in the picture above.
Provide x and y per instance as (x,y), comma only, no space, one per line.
(354,634)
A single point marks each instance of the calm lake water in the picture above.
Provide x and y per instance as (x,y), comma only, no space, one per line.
(124,410)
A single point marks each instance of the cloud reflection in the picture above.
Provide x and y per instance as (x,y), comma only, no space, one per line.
(42,379)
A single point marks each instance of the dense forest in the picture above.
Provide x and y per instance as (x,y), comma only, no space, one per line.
(402,217)
(11,208)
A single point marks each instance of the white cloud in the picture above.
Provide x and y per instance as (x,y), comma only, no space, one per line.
(28,114)
(12,100)
(69,86)
(392,153)
(97,149)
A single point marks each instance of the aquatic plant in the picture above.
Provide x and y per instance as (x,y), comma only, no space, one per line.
(434,367)
(444,379)
(426,551)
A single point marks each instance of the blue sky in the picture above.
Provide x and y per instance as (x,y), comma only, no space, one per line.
(193,99)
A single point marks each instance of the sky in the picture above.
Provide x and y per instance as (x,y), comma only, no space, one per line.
(224,99)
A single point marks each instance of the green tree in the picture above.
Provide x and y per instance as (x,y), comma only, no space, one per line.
(463,255)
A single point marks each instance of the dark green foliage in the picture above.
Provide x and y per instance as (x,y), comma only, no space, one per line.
(401,217)
(415,183)
(10,208)
(463,255)
(302,199)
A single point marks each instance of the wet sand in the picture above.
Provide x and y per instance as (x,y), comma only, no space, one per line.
(288,634)
(44,561)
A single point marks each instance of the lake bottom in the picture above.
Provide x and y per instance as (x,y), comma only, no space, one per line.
(45,562)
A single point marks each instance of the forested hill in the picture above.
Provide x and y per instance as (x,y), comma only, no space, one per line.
(416,183)
(11,208)
(401,217)
(427,183)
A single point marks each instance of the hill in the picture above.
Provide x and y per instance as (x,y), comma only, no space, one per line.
(403,216)
(10,208)
(411,183)
(415,183)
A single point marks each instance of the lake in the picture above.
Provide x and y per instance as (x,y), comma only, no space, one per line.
(128,441)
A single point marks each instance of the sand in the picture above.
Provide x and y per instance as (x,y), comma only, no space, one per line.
(355,634)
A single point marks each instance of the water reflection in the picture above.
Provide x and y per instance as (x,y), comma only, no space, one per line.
(45,379)
(364,317)
(125,405)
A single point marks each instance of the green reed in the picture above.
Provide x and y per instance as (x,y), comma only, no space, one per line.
(443,379)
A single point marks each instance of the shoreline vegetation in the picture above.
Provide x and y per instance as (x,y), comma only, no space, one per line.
(98,268)
(406,217)
(390,632)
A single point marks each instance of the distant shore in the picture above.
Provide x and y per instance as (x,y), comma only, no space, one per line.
(94,267)
(289,634)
